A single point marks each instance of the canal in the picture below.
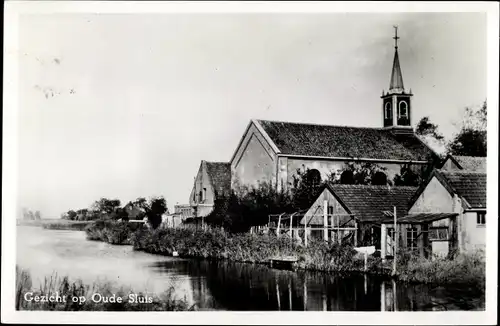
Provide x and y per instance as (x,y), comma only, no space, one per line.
(224,285)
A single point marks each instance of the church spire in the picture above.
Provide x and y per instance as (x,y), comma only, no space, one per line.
(396,75)
(396,103)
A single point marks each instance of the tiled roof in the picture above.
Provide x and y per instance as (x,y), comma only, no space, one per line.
(368,203)
(220,176)
(471,163)
(340,141)
(469,185)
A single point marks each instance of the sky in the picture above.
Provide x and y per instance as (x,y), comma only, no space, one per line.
(127,105)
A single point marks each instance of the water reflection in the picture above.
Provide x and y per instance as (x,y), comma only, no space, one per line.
(236,286)
(224,285)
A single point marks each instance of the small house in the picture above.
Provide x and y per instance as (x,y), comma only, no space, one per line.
(212,181)
(446,215)
(346,214)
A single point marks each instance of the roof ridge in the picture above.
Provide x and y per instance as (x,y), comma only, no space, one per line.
(371,186)
(322,125)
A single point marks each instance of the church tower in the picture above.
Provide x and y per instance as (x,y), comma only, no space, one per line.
(396,103)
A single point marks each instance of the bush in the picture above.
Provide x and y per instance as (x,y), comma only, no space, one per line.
(110,231)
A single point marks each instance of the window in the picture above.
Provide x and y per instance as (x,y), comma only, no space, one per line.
(403,109)
(438,233)
(201,196)
(481,218)
(411,238)
(330,210)
(314,178)
(387,110)
(204,193)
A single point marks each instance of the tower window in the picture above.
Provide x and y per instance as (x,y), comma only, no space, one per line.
(403,109)
(387,110)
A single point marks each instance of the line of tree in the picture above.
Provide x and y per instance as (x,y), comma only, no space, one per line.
(111,209)
(29,215)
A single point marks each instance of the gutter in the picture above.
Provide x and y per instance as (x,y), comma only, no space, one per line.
(350,159)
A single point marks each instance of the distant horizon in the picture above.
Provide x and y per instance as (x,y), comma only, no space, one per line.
(110,107)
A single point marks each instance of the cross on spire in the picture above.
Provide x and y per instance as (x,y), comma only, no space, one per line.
(396,35)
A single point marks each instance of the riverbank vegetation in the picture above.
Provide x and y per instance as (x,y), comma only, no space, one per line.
(113,232)
(90,297)
(214,243)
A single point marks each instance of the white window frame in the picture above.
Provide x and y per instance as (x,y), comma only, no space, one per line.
(481,221)
(387,108)
(412,245)
(406,110)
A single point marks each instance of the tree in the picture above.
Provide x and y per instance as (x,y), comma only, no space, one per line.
(71,215)
(156,207)
(37,215)
(305,185)
(471,139)
(407,177)
(427,128)
(105,206)
(360,173)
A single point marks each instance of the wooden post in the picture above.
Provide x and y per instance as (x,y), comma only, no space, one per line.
(325,220)
(278,294)
(332,223)
(366,261)
(394,297)
(383,241)
(305,231)
(290,295)
(338,230)
(356,234)
(382,296)
(305,294)
(279,224)
(291,230)
(394,251)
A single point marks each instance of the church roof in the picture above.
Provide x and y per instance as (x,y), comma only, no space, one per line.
(341,141)
(220,176)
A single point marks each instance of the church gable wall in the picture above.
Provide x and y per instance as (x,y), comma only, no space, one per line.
(254,162)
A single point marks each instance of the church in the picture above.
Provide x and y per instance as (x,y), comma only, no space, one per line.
(273,151)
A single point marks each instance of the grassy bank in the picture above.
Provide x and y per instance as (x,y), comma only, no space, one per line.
(466,269)
(66,290)
(251,248)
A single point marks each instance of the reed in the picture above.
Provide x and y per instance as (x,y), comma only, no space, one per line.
(63,287)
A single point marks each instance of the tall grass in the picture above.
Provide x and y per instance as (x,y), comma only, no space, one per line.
(110,231)
(245,247)
(214,243)
(466,269)
(67,289)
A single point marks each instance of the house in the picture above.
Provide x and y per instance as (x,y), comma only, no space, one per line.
(185,210)
(273,151)
(446,215)
(172,220)
(347,213)
(468,163)
(213,181)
